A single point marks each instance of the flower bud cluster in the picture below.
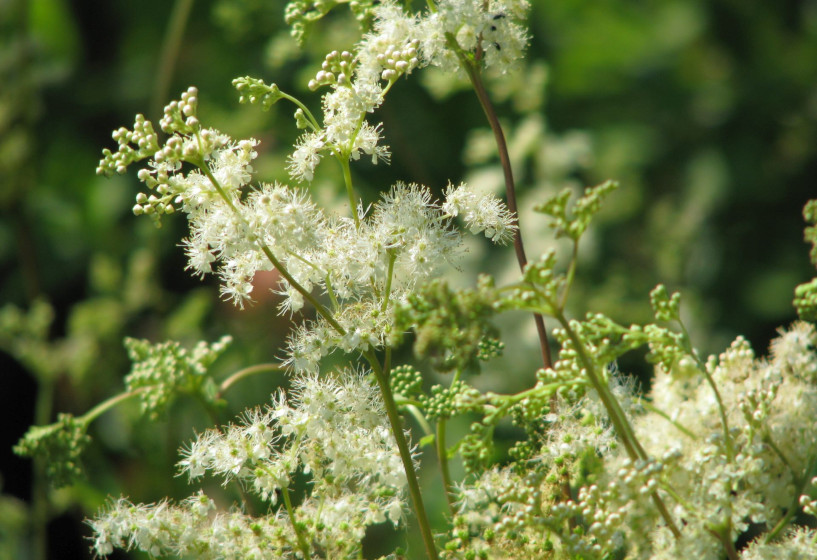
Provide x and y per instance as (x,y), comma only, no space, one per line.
(332,430)
(145,144)
(624,505)
(161,371)
(406,381)
(337,68)
(459,398)
(808,503)
(180,116)
(756,406)
(255,91)
(397,61)
(63,442)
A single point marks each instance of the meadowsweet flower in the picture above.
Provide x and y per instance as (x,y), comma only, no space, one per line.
(305,158)
(333,430)
(491,29)
(481,212)
(745,480)
(796,544)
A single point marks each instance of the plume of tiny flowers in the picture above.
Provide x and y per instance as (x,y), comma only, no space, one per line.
(358,82)
(404,240)
(482,212)
(799,543)
(158,529)
(766,403)
(332,429)
(335,425)
(237,230)
(398,43)
(491,29)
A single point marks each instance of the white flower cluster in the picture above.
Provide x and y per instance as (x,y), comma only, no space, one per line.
(488,28)
(362,265)
(332,429)
(481,212)
(767,405)
(398,43)
(708,486)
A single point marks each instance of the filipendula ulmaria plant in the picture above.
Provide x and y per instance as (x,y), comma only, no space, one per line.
(720,451)
(351,269)
(718,448)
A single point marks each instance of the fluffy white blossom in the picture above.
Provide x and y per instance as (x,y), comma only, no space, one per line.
(307,155)
(766,405)
(481,212)
(333,430)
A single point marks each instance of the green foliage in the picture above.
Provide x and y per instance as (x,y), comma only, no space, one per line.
(449,325)
(60,445)
(542,287)
(162,371)
(805,300)
(573,222)
(667,110)
(25,336)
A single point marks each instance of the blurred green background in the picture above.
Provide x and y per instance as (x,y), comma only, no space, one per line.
(705,111)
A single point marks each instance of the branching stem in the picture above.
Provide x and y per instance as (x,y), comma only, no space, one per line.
(510,188)
(617,417)
(244,373)
(405,455)
(302,544)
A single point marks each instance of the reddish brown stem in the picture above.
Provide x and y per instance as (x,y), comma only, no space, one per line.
(510,191)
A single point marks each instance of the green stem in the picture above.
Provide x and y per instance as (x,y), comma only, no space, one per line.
(730,453)
(767,439)
(794,507)
(389,274)
(666,417)
(298,534)
(539,391)
(244,373)
(414,411)
(620,423)
(312,120)
(726,541)
(571,273)
(442,458)
(442,455)
(405,455)
(319,307)
(330,291)
(617,417)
